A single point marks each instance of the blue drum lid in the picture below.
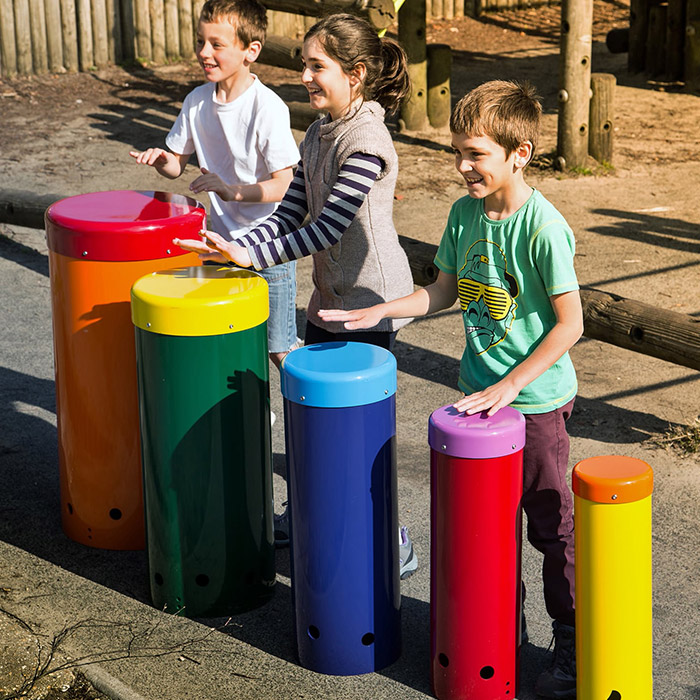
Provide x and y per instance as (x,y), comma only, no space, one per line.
(338,375)
(478,436)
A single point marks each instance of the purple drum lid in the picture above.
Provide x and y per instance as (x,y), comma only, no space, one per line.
(477,436)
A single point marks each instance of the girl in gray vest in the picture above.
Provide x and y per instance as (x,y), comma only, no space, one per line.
(345,182)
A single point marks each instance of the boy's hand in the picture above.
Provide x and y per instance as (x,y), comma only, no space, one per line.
(491,399)
(211,182)
(353,320)
(216,248)
(156,157)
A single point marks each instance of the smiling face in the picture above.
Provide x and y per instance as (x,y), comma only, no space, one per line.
(330,88)
(490,174)
(221,54)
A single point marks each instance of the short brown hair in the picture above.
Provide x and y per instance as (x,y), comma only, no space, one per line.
(248,17)
(506,111)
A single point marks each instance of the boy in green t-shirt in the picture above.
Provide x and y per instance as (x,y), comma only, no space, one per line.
(507,255)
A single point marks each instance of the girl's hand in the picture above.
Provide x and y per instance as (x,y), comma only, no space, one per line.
(216,248)
(211,182)
(156,157)
(491,399)
(353,320)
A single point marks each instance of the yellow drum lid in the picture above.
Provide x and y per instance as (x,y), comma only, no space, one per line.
(612,479)
(194,301)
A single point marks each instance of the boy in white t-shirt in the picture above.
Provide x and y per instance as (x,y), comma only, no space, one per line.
(240,131)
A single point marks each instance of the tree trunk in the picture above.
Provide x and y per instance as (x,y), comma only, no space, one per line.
(414,110)
(600,139)
(439,96)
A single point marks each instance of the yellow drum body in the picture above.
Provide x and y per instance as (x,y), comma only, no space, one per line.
(612,515)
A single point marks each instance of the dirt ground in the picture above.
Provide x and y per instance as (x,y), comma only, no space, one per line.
(637,226)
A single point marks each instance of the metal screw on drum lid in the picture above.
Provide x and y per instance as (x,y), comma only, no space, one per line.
(84,253)
(513,446)
(230,325)
(302,398)
(614,497)
(167,251)
(444,447)
(148,324)
(386,391)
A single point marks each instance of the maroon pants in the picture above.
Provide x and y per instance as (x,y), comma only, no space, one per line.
(548,503)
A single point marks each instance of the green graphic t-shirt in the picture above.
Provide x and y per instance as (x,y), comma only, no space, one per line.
(506,271)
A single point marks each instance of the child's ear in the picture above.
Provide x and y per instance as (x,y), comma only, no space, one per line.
(253,51)
(523,154)
(358,74)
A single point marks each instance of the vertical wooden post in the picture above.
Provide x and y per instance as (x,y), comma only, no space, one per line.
(37,21)
(69,32)
(639,21)
(8,48)
(157,30)
(692,45)
(172,33)
(186,29)
(600,138)
(414,111)
(675,39)
(22,35)
(54,44)
(656,40)
(100,47)
(439,95)
(85,56)
(574,82)
(142,23)
(114,31)
(128,24)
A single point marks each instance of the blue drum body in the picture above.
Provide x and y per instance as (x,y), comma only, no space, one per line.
(340,417)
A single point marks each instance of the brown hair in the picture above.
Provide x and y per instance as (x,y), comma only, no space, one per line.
(248,17)
(350,40)
(506,111)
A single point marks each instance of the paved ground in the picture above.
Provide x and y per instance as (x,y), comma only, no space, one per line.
(49,584)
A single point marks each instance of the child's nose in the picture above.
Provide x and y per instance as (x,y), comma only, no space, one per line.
(306,76)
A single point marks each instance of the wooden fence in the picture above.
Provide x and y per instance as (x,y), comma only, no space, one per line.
(54,36)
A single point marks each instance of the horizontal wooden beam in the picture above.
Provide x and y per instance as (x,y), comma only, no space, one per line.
(379,13)
(613,319)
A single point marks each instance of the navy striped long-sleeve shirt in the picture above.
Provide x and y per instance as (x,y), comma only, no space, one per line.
(282,238)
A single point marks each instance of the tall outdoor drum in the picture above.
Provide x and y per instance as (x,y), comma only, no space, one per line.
(201,340)
(99,245)
(476,482)
(340,429)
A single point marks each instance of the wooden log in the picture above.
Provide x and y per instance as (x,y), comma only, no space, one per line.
(692,45)
(156,11)
(656,40)
(618,40)
(172,30)
(600,134)
(574,83)
(22,33)
(414,110)
(439,95)
(437,9)
(379,13)
(37,18)
(69,32)
(114,32)
(8,49)
(85,55)
(54,42)
(459,8)
(186,28)
(675,39)
(301,115)
(128,36)
(608,317)
(142,24)
(639,23)
(100,46)
(281,51)
(634,325)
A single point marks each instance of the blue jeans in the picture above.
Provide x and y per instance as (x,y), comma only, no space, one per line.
(282,323)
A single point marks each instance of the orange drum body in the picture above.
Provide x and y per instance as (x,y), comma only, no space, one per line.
(99,245)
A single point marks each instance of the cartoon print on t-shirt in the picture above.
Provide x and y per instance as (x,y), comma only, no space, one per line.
(487,294)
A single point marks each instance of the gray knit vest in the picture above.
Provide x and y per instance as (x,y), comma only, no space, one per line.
(367,266)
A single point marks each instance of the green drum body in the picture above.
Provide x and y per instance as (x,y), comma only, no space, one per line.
(201,347)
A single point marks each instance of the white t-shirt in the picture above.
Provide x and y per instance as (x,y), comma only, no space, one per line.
(243,142)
